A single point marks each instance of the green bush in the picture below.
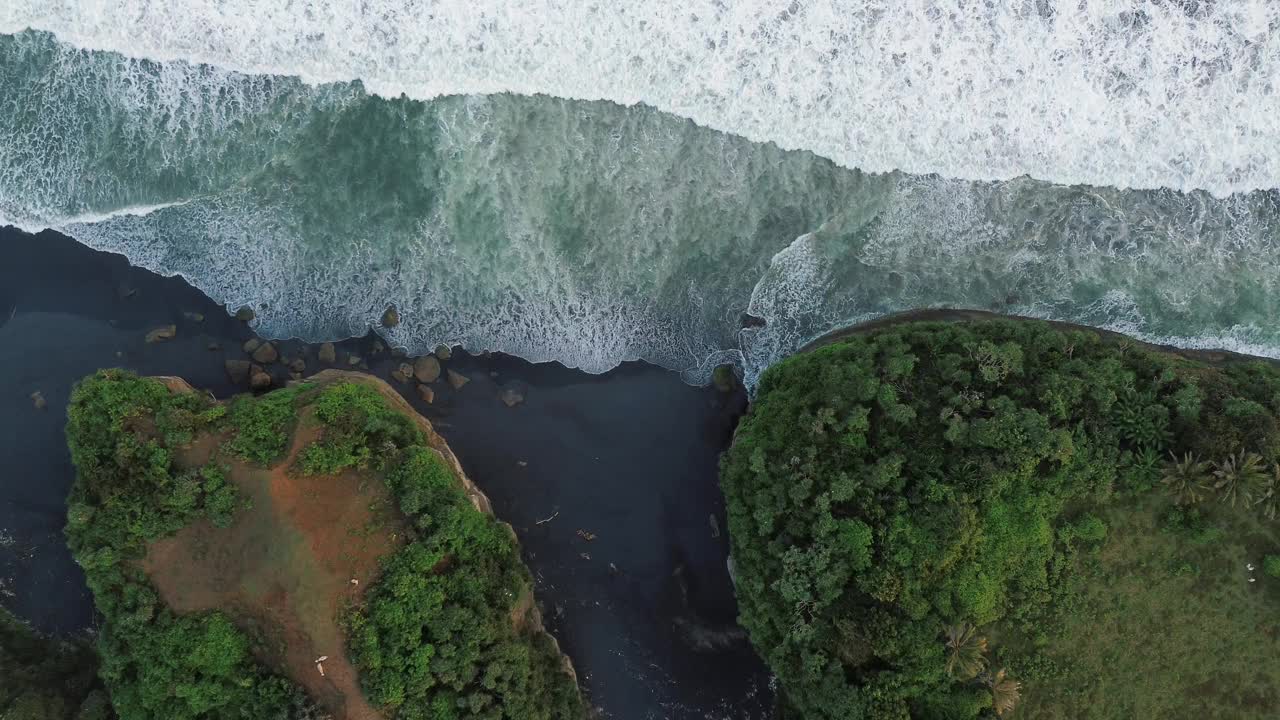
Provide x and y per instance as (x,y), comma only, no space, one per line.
(926,476)
(358,429)
(261,425)
(121,430)
(1271,566)
(435,638)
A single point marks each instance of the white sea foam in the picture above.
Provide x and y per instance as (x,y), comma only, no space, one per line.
(1125,93)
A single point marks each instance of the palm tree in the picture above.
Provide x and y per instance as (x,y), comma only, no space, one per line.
(1187,479)
(1005,691)
(966,657)
(1269,494)
(1238,476)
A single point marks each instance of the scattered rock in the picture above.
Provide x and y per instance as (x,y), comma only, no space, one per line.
(328,354)
(457,379)
(168,332)
(586,535)
(238,371)
(245,314)
(512,395)
(119,353)
(37,399)
(404,373)
(522,463)
(214,346)
(259,379)
(427,394)
(724,378)
(125,292)
(426,369)
(715,525)
(443,352)
(250,345)
(585,556)
(298,365)
(194,316)
(353,360)
(493,373)
(266,354)
(391,317)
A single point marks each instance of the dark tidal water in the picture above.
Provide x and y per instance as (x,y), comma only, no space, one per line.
(629,456)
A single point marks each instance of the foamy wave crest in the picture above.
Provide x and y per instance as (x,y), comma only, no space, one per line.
(1124,93)
(583,232)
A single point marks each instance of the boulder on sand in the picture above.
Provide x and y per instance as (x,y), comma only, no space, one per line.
(328,354)
(427,394)
(259,379)
(250,345)
(426,369)
(443,352)
(238,371)
(37,399)
(457,379)
(266,354)
(168,332)
(245,314)
(512,395)
(403,374)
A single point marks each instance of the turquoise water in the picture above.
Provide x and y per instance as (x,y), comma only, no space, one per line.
(581,230)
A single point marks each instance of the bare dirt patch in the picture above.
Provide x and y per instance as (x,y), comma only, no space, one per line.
(284,568)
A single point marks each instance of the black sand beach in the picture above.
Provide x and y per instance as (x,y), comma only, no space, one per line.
(644,607)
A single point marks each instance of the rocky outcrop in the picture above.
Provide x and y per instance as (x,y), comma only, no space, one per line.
(533,619)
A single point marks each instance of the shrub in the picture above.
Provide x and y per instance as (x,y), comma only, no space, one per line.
(358,429)
(261,425)
(1271,566)
(435,638)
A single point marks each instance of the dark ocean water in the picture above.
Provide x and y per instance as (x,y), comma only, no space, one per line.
(629,456)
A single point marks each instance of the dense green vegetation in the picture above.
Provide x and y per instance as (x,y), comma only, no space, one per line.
(436,637)
(959,520)
(359,430)
(122,431)
(441,635)
(46,679)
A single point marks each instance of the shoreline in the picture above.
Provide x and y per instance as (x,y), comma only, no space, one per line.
(1214,355)
(629,457)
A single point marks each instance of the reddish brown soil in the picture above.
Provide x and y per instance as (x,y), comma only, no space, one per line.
(284,568)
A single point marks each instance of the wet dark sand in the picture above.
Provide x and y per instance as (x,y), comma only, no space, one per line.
(645,609)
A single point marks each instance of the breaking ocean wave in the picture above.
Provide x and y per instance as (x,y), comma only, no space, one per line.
(591,233)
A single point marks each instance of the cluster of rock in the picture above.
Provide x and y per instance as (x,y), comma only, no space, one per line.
(426,370)
(255,370)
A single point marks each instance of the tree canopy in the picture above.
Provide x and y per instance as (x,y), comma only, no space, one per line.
(921,514)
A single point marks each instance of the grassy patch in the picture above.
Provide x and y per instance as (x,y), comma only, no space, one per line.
(261,425)
(1158,623)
